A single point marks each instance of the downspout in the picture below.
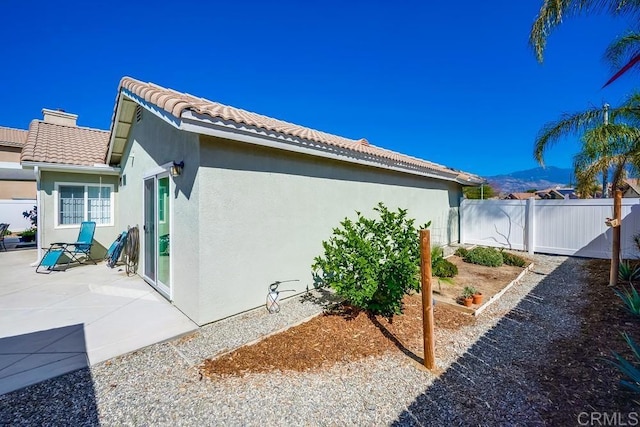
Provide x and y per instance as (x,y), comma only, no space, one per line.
(36,171)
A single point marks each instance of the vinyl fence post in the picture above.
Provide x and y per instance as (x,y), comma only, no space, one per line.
(462,235)
(427,300)
(530,225)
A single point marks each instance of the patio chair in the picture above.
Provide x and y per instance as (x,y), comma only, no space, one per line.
(73,251)
(3,230)
(113,254)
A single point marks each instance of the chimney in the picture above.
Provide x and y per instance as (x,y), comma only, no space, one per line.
(59,117)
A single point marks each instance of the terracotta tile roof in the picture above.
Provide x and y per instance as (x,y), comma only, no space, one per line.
(522,196)
(10,137)
(176,103)
(72,145)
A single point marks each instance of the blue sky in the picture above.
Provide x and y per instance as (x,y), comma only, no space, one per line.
(454,83)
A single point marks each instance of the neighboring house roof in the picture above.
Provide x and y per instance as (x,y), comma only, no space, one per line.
(631,183)
(183,106)
(70,145)
(10,137)
(522,196)
(550,193)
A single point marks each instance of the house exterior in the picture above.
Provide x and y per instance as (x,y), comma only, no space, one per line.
(15,183)
(17,186)
(522,196)
(229,201)
(73,182)
(557,193)
(630,187)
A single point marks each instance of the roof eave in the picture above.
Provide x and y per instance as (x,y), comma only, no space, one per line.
(205,125)
(61,167)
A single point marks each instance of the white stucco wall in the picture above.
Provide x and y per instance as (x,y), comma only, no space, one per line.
(153,143)
(264,213)
(104,234)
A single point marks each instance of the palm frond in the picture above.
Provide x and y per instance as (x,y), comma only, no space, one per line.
(569,124)
(552,12)
(623,49)
(627,116)
(632,63)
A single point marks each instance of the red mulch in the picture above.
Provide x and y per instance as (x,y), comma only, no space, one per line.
(344,335)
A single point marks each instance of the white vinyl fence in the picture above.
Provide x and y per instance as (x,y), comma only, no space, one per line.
(11,212)
(563,227)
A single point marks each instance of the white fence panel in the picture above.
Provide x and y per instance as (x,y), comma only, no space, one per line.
(11,212)
(563,227)
(499,223)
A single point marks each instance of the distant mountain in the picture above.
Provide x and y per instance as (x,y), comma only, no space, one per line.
(538,178)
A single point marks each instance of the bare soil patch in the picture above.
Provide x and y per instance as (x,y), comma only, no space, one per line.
(347,334)
(577,377)
(487,280)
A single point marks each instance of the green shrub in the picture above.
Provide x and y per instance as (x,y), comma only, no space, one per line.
(490,257)
(631,300)
(461,252)
(372,263)
(628,272)
(437,253)
(512,259)
(444,268)
(629,368)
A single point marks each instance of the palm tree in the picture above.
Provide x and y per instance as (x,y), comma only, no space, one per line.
(606,146)
(623,50)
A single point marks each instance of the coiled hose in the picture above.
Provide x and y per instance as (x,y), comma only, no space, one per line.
(131,251)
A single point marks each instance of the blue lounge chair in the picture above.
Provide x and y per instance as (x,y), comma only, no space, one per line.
(73,251)
(113,254)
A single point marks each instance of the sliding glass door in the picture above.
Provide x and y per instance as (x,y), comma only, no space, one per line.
(157,233)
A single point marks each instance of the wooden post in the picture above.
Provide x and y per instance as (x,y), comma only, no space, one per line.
(427,300)
(615,245)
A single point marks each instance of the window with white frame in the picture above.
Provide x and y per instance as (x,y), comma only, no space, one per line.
(84,202)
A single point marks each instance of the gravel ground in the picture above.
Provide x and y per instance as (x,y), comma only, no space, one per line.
(486,373)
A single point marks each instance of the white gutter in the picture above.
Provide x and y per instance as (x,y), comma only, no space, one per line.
(36,171)
(55,167)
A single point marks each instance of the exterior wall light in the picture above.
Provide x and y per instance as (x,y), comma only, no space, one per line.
(176,168)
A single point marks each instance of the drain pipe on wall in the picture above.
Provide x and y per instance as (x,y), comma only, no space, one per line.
(36,171)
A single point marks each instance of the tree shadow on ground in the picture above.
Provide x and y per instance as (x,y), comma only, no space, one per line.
(496,382)
(388,335)
(322,297)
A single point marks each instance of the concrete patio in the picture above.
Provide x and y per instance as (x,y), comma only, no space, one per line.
(54,323)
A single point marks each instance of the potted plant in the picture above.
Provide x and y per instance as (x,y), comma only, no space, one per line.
(28,235)
(467,295)
(477,297)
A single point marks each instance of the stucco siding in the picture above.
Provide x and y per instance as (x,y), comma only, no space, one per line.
(17,189)
(151,144)
(10,154)
(50,233)
(264,214)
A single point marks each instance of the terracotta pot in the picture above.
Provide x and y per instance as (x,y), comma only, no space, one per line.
(477,299)
(467,301)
